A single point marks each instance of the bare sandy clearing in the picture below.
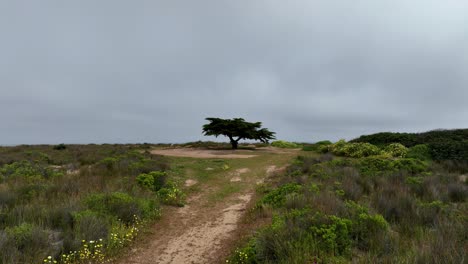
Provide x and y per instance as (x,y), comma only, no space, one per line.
(190,182)
(201,153)
(235,179)
(237,174)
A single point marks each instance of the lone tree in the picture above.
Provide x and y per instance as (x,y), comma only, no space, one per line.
(236,129)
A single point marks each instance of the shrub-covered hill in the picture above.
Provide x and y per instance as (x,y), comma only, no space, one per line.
(443,144)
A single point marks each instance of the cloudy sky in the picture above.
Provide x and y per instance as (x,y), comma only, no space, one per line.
(87,71)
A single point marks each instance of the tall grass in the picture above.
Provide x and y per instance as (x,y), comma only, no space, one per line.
(53,198)
(379,209)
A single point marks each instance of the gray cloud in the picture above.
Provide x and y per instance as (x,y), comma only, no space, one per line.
(119,71)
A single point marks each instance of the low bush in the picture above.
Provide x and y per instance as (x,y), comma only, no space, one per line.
(396,150)
(412,166)
(373,166)
(121,206)
(284,144)
(154,180)
(170,194)
(24,243)
(353,150)
(90,225)
(60,147)
(317,146)
(421,152)
(277,197)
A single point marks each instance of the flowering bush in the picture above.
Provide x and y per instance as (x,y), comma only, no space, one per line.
(171,195)
(396,150)
(353,150)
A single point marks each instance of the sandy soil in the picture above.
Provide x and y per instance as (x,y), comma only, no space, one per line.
(195,233)
(202,153)
(211,153)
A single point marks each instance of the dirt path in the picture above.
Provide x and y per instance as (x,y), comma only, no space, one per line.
(203,153)
(198,232)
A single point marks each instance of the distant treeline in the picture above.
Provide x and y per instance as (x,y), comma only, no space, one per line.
(443,144)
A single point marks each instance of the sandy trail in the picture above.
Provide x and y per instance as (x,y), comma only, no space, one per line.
(202,153)
(190,234)
(199,232)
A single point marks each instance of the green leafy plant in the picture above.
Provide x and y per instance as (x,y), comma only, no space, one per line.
(284,144)
(277,197)
(154,180)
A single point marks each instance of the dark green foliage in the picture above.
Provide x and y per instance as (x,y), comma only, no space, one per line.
(237,129)
(412,166)
(443,144)
(449,150)
(421,152)
(60,147)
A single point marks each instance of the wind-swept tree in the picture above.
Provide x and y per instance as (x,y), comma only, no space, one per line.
(237,129)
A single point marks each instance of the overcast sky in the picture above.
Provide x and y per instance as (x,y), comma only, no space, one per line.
(150,71)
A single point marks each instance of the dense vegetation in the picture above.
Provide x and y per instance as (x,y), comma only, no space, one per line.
(77,203)
(443,144)
(355,201)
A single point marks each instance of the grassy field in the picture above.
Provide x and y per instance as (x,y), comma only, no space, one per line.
(329,203)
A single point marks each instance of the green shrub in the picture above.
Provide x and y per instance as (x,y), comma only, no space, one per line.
(372,166)
(413,166)
(421,152)
(20,234)
(27,237)
(284,144)
(121,206)
(28,170)
(443,144)
(277,197)
(332,234)
(428,213)
(354,150)
(154,180)
(396,150)
(368,228)
(170,194)
(245,255)
(60,147)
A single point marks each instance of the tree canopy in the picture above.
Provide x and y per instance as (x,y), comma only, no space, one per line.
(237,129)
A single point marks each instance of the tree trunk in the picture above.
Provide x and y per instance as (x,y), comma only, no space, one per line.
(234,144)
